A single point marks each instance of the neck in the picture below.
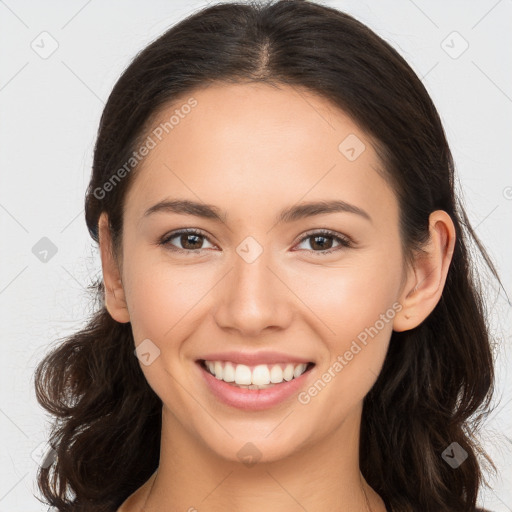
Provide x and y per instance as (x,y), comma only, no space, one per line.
(315,478)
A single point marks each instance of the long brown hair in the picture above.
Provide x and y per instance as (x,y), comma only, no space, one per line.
(437,379)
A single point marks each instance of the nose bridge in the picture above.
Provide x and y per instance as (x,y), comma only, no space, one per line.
(252,297)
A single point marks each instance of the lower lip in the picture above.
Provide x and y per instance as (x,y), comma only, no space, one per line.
(253,399)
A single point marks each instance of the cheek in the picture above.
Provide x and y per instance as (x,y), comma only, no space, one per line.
(163,301)
(355,306)
(160,295)
(351,298)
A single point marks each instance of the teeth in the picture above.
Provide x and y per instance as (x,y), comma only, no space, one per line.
(218,370)
(276,374)
(228,373)
(299,370)
(258,377)
(242,374)
(288,372)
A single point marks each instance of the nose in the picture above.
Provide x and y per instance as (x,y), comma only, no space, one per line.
(253,297)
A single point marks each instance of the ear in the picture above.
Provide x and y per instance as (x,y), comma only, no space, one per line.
(425,280)
(114,292)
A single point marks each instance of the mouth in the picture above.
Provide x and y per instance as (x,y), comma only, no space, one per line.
(259,376)
(254,387)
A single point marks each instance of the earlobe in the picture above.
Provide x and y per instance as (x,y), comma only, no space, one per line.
(426,279)
(115,301)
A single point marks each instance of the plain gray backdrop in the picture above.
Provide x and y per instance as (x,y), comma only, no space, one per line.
(59,62)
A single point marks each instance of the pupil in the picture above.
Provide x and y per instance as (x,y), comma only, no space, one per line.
(186,237)
(322,246)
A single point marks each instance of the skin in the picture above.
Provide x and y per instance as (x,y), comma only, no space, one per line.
(253,150)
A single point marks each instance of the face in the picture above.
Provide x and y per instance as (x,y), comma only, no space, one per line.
(321,287)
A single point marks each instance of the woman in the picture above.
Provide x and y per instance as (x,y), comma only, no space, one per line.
(288,318)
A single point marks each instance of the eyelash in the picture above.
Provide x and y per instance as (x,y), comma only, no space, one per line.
(344,241)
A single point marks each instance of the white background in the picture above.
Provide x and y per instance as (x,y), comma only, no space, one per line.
(49,113)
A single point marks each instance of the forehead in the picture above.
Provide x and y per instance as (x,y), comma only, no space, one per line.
(255,143)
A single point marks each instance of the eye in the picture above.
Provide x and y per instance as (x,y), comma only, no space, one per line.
(191,241)
(189,238)
(320,239)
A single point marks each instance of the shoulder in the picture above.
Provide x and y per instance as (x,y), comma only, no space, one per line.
(136,500)
(133,502)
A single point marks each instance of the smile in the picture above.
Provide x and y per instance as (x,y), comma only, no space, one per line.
(259,376)
(255,387)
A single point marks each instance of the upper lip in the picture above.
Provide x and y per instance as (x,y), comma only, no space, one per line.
(263,357)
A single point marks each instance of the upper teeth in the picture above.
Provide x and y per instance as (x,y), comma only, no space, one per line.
(259,375)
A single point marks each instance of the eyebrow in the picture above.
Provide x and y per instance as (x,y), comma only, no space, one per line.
(288,215)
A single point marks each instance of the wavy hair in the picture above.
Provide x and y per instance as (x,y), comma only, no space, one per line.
(437,380)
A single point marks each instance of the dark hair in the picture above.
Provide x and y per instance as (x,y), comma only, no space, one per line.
(437,380)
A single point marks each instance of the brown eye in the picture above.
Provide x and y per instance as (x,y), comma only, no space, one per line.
(321,242)
(189,241)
